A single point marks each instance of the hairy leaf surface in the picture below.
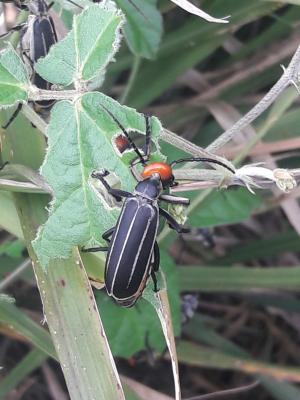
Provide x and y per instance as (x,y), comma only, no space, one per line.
(14,80)
(81,139)
(84,54)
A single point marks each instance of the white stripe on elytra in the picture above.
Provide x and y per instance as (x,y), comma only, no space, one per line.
(124,245)
(142,243)
(116,232)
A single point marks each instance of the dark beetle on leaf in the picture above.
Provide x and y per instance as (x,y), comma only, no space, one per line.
(37,36)
(132,251)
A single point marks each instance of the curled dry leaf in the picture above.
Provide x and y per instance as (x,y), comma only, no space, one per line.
(192,9)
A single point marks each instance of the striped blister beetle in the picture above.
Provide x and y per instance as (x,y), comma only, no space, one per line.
(132,251)
(37,35)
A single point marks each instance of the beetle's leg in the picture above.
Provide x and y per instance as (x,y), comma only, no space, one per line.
(173,223)
(116,193)
(155,266)
(156,260)
(51,5)
(14,28)
(174,199)
(14,115)
(106,235)
(3,165)
(154,279)
(94,249)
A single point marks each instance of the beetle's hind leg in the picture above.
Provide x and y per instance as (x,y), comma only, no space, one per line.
(155,266)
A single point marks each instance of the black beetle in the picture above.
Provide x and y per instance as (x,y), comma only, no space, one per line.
(133,253)
(37,36)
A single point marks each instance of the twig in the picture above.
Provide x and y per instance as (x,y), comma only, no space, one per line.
(191,148)
(248,68)
(223,393)
(14,275)
(290,76)
(35,119)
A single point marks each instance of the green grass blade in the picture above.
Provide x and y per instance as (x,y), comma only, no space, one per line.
(225,279)
(29,363)
(72,316)
(16,320)
(201,356)
(196,329)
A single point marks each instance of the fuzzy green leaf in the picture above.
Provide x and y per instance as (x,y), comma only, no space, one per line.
(14,80)
(143,28)
(225,207)
(81,139)
(84,54)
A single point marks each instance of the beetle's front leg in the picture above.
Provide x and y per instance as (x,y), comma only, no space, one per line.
(116,193)
(173,223)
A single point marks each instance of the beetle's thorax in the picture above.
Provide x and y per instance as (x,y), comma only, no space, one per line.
(150,188)
(38,7)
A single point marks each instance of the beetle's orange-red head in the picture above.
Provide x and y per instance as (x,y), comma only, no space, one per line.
(163,169)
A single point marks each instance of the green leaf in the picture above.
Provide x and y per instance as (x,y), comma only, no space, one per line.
(197,330)
(127,329)
(8,217)
(84,54)
(143,28)
(81,139)
(18,322)
(12,249)
(262,248)
(34,359)
(225,207)
(200,356)
(14,80)
(224,279)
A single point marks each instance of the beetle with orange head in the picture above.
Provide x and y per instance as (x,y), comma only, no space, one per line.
(132,251)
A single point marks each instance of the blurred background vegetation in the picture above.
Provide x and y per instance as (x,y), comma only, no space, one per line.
(239,298)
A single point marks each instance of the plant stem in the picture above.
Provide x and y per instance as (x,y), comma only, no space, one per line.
(15,274)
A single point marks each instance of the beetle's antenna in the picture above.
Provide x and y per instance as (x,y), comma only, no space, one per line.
(203,159)
(133,145)
(75,4)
